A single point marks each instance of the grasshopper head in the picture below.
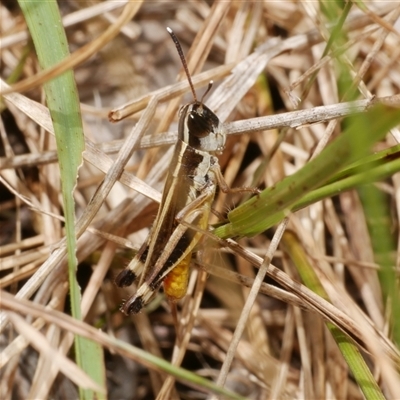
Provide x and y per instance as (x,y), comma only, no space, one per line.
(200,128)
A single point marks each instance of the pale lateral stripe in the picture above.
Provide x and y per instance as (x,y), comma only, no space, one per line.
(162,213)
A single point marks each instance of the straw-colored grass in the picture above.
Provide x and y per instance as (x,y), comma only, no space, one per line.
(305,304)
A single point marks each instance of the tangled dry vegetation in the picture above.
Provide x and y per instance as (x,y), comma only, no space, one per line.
(262,57)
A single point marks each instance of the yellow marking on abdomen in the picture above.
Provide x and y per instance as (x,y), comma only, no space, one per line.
(176,282)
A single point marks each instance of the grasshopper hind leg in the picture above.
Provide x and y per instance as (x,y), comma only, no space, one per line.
(135,268)
(175,286)
(132,306)
(125,278)
(138,301)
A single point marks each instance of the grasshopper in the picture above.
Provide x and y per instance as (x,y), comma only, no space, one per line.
(186,202)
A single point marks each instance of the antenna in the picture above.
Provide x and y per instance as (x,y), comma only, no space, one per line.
(182,57)
(210,84)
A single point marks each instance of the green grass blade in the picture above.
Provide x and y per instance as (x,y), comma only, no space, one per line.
(380,226)
(376,167)
(44,22)
(255,215)
(349,350)
(337,16)
(385,166)
(376,173)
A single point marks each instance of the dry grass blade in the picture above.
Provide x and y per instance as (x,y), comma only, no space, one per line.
(249,303)
(285,82)
(81,55)
(78,327)
(69,20)
(58,360)
(169,92)
(93,154)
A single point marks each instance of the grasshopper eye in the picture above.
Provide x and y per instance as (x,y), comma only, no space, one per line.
(201,121)
(200,128)
(200,125)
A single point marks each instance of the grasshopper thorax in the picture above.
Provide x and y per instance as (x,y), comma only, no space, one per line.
(200,128)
